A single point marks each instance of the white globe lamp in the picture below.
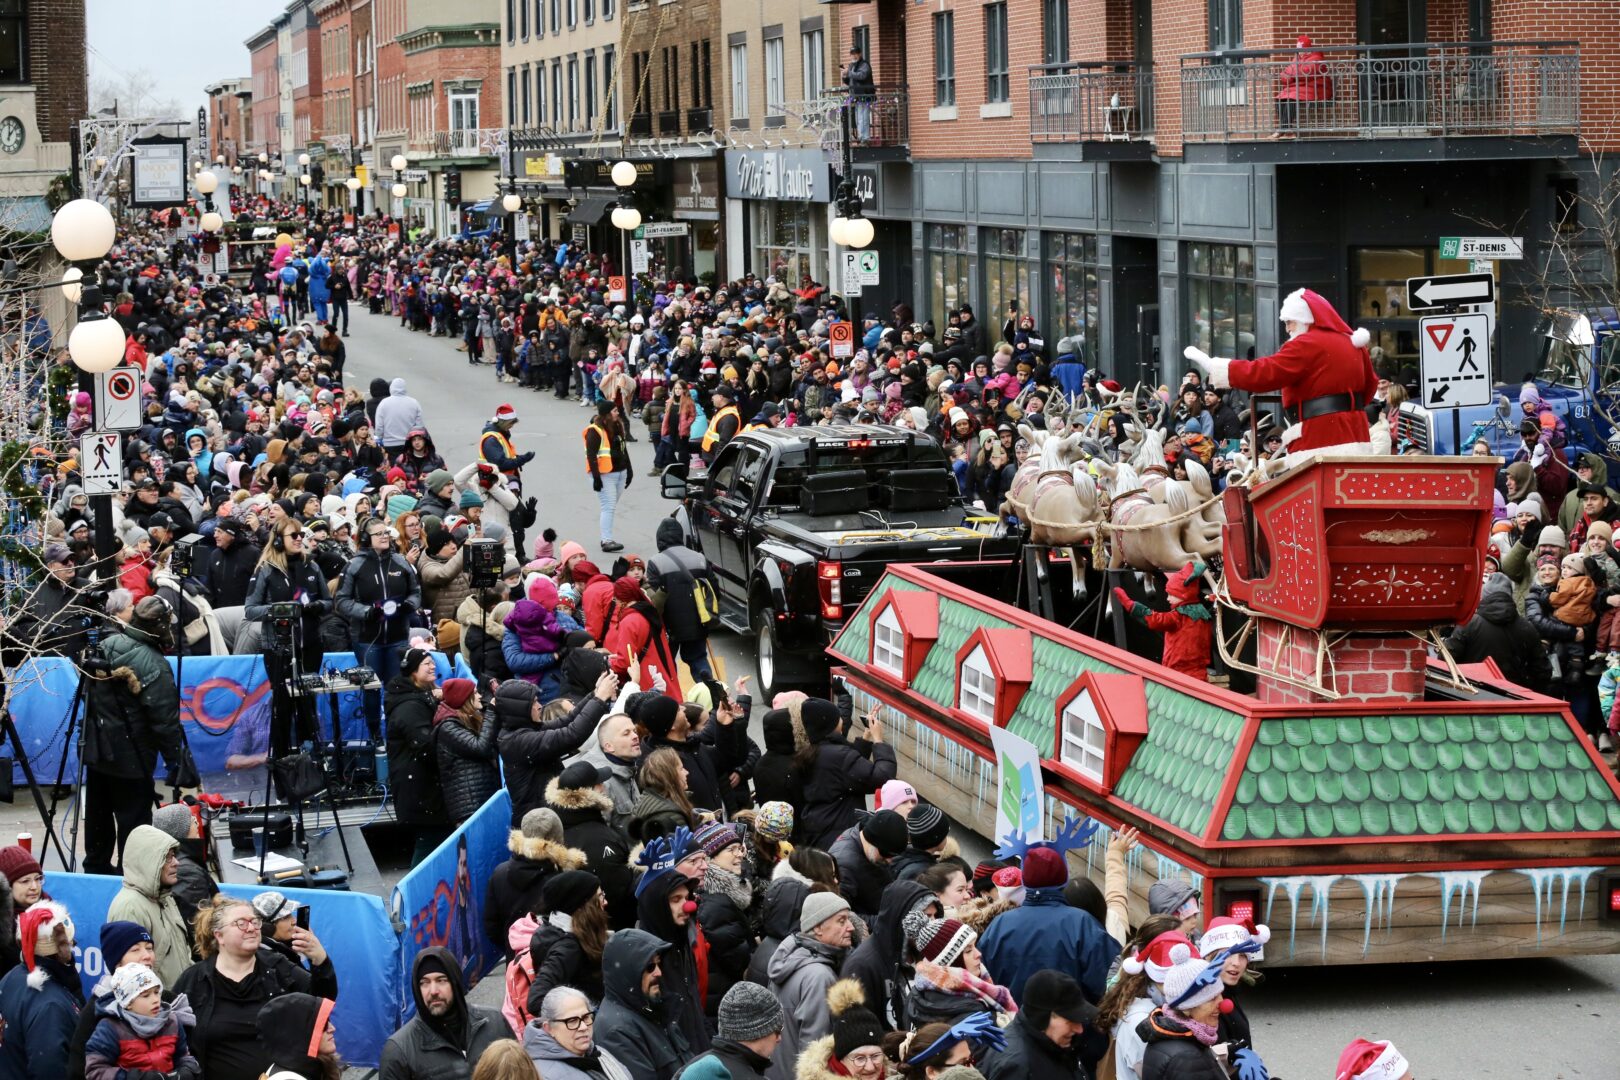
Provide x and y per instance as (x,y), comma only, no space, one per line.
(511,203)
(398,162)
(303,159)
(858,232)
(212,221)
(264,158)
(71,289)
(836,230)
(398,190)
(83,230)
(207,182)
(352,183)
(626,218)
(623,173)
(97,344)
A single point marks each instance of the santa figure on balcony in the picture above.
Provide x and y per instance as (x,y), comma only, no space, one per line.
(1325,375)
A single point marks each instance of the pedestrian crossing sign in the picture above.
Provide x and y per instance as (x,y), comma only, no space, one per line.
(1455,357)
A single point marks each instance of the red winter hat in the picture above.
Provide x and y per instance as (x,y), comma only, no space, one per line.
(1045,868)
(1183,586)
(504,411)
(1308,306)
(457,692)
(628,590)
(583,571)
(1364,1060)
(1225,933)
(16,862)
(1156,959)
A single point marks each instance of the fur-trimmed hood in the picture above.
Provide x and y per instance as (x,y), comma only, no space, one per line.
(784,872)
(577,798)
(539,849)
(976,914)
(127,676)
(491,618)
(812,1064)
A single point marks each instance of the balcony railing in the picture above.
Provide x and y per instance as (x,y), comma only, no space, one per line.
(459,142)
(876,122)
(1110,101)
(699,120)
(669,122)
(1501,88)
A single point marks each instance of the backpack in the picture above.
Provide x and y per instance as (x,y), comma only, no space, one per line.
(706,601)
(700,426)
(519,977)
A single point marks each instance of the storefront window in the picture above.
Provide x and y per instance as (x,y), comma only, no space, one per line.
(1220,299)
(1007,270)
(1380,301)
(947,270)
(784,241)
(1073,301)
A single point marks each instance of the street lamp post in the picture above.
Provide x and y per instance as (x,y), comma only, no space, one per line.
(851,228)
(626,218)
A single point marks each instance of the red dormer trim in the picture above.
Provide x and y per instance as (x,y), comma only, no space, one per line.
(917,612)
(1121,701)
(1011,653)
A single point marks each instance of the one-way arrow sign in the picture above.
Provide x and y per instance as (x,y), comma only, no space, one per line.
(1427,293)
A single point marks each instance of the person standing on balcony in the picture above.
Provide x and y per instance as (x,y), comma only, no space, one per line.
(858,79)
(1306,79)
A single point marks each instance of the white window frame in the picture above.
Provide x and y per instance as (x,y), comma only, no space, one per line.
(977,696)
(889,643)
(739,81)
(464,102)
(813,54)
(1084,746)
(775,77)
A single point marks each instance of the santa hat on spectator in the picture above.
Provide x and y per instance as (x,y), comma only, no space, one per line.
(1009,884)
(1364,1060)
(36,932)
(1156,959)
(1224,933)
(1306,306)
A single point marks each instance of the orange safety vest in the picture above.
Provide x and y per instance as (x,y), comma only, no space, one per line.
(506,445)
(604,449)
(712,436)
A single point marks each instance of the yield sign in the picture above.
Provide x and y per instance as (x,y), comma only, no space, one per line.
(1439,333)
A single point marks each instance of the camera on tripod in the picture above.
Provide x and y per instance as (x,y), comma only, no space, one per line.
(183,556)
(484,558)
(283,618)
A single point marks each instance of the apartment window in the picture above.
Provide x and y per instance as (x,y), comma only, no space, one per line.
(590,12)
(556,16)
(573,93)
(996,82)
(1054,31)
(1225,25)
(590,89)
(1073,298)
(1007,273)
(944,58)
(775,78)
(523,19)
(739,82)
(889,643)
(511,20)
(1378,295)
(948,261)
(539,17)
(528,101)
(511,96)
(607,10)
(1220,299)
(860,37)
(463,110)
(556,94)
(1085,740)
(697,78)
(540,93)
(609,87)
(814,48)
(978,694)
(573,13)
(708,75)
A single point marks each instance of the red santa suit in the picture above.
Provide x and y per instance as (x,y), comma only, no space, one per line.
(1188,627)
(1325,375)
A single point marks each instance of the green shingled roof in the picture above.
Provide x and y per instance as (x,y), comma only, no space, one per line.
(1176,773)
(1330,777)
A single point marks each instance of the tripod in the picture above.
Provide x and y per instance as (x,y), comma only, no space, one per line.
(8,730)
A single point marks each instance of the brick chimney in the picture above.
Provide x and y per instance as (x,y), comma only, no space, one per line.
(1362,667)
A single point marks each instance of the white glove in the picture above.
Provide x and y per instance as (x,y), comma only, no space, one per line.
(1290,433)
(1539,457)
(1213,367)
(658,681)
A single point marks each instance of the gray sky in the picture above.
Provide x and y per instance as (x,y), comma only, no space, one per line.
(182,45)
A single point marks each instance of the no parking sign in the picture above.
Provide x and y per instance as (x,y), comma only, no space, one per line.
(118,399)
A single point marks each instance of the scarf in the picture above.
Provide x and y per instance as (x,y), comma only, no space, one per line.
(725,883)
(150,1027)
(1204,1033)
(963,983)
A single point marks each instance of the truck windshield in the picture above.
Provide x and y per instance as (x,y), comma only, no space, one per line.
(1565,364)
(877,457)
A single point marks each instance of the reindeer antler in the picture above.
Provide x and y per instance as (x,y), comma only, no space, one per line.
(1074,834)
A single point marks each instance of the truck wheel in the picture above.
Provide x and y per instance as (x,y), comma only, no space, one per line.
(767,656)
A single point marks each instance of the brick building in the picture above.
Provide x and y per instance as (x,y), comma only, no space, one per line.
(453,112)
(264,59)
(1144,174)
(304,69)
(43,95)
(338,144)
(230,113)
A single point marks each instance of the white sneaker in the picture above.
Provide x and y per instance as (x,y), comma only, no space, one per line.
(1605,744)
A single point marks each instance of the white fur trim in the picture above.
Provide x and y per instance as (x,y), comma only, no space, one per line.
(1262,933)
(1295,309)
(1131,965)
(38,978)
(1180,953)
(1291,432)
(1389,1065)
(1300,457)
(1360,338)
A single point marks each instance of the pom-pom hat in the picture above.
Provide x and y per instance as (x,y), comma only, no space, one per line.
(1366,1060)
(1306,306)
(1156,959)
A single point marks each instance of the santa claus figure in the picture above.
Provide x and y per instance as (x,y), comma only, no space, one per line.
(1324,373)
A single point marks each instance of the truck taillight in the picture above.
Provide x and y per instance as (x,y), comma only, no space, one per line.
(830,580)
(1242,911)
(1611,897)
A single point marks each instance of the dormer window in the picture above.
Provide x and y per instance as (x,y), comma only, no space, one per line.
(977,696)
(889,643)
(1085,740)
(1101,720)
(904,627)
(994,667)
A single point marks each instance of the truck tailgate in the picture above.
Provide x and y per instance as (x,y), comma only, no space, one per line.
(864,554)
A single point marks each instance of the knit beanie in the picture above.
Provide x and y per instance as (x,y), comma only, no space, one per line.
(716,836)
(774,820)
(853,1025)
(17,863)
(437,479)
(944,941)
(1552,536)
(658,716)
(1365,1060)
(927,826)
(412,660)
(175,819)
(1045,868)
(749,1012)
(821,719)
(569,891)
(470,499)
(818,908)
(886,831)
(130,982)
(457,692)
(1183,990)
(117,938)
(894,793)
(542,823)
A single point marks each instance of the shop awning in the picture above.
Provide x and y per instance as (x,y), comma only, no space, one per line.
(590,210)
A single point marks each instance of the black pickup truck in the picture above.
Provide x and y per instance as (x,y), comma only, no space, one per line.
(798,523)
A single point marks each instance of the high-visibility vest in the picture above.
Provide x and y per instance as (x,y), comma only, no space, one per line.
(712,436)
(506,445)
(752,427)
(604,449)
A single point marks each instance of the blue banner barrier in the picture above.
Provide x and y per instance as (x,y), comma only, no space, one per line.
(224,708)
(441,901)
(354,927)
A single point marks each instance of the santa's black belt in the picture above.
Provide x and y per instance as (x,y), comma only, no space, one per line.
(1326,405)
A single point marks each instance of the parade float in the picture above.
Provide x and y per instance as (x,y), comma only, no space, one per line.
(1371,800)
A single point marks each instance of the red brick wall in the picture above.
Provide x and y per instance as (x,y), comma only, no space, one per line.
(1594,24)
(462,62)
(56,65)
(1363,667)
(335,82)
(266,98)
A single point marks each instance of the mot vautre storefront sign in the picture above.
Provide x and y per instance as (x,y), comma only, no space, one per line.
(802,175)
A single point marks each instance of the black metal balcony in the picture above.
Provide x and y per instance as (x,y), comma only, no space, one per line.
(1506,89)
(699,120)
(641,126)
(1106,101)
(669,122)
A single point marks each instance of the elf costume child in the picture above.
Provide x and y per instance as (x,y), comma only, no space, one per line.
(1188,627)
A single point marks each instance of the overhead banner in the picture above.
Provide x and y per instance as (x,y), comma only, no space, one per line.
(158,172)
(441,901)
(354,927)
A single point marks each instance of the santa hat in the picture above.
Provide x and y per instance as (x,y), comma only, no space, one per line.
(1183,586)
(1157,959)
(504,411)
(1224,933)
(1363,1060)
(36,932)
(1009,884)
(1306,306)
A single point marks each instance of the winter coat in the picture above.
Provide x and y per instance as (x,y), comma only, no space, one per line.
(836,788)
(114,1047)
(776,778)
(642,1036)
(558,959)
(1306,79)
(622,787)
(481,632)
(1045,932)
(683,996)
(709,756)
(397,416)
(228,573)
(727,1060)
(420,1051)
(302,581)
(445,584)
(514,887)
(1187,637)
(1498,632)
(195,886)
(370,580)
(723,915)
(468,772)
(801,971)
(1173,1053)
(674,571)
(640,633)
(272,977)
(1030,1055)
(878,963)
(859,879)
(413,767)
(533,755)
(779,917)
(587,828)
(145,900)
(134,710)
(654,815)
(555,1063)
(1569,512)
(39,1022)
